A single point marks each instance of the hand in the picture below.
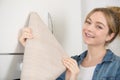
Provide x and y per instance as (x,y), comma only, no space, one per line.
(26,34)
(72,68)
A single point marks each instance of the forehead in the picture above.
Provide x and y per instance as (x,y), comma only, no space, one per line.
(98,16)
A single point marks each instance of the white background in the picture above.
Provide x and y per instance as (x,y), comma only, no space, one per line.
(65,15)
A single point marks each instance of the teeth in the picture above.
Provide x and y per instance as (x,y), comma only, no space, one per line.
(88,35)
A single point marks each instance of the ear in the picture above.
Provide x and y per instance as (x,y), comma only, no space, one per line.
(110,36)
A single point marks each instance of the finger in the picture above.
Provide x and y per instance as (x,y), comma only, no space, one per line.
(72,61)
(72,68)
(27,35)
(68,64)
(71,65)
(27,29)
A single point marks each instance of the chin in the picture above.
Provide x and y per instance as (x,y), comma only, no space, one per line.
(88,43)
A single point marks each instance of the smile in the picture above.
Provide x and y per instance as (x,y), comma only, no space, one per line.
(89,35)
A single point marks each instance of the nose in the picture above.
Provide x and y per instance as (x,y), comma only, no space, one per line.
(90,27)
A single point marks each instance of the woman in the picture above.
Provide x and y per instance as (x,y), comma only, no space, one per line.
(101,27)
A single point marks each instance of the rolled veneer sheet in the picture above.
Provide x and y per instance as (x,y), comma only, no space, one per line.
(43,53)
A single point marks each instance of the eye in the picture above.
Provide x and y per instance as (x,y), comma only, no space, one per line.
(87,22)
(99,27)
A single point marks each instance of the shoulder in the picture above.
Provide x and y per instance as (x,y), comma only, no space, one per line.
(116,64)
(117,59)
(112,57)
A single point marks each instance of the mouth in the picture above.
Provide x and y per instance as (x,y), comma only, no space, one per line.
(89,35)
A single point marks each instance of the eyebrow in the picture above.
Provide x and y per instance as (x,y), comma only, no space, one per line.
(96,22)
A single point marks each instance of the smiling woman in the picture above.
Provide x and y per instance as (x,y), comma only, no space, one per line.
(101,27)
(109,19)
(96,30)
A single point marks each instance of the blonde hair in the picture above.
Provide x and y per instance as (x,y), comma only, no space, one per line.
(112,15)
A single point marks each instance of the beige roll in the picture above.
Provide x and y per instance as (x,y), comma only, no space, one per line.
(43,54)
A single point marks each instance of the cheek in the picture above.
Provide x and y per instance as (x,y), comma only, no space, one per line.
(84,29)
(102,36)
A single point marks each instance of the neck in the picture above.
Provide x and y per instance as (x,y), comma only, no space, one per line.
(96,52)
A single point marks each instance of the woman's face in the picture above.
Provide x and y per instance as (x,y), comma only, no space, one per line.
(95,30)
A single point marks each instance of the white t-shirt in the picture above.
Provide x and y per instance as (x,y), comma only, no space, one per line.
(86,73)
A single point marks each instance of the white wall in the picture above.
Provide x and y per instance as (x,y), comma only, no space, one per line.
(88,5)
(65,15)
(13,16)
(66,18)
